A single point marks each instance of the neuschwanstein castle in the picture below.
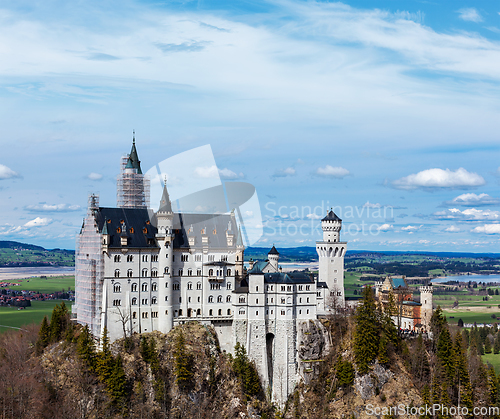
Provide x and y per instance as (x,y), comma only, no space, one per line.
(140,270)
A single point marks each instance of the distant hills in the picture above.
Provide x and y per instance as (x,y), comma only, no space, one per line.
(21,254)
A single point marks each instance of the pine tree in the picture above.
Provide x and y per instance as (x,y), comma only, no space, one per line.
(496,345)
(345,373)
(116,384)
(492,386)
(487,345)
(104,361)
(382,356)
(366,340)
(462,379)
(43,336)
(86,349)
(182,364)
(445,352)
(426,400)
(252,381)
(460,323)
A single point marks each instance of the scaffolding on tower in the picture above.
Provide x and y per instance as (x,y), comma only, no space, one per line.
(89,265)
(132,187)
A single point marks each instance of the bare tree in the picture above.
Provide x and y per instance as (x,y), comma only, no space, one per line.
(124,319)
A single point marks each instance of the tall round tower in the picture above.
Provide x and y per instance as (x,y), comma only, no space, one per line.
(273,256)
(426,308)
(165,237)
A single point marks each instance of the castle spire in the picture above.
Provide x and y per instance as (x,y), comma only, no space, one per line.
(165,204)
(133,159)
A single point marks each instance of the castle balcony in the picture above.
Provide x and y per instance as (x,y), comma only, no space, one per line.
(216,278)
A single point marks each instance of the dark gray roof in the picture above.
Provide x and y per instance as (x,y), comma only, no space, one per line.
(322,285)
(165,204)
(257,267)
(273,251)
(133,159)
(139,230)
(331,216)
(294,277)
(214,226)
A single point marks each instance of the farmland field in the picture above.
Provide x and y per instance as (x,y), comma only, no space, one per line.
(494,360)
(11,316)
(46,285)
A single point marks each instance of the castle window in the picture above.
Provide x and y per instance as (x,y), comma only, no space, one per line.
(197,258)
(339,293)
(154,273)
(144,301)
(198,312)
(129,273)
(180,312)
(166,269)
(134,287)
(198,285)
(210,312)
(180,299)
(117,273)
(219,299)
(176,286)
(210,272)
(144,287)
(289,300)
(256,313)
(237,258)
(289,288)
(228,311)
(272,300)
(256,288)
(282,288)
(190,286)
(130,258)
(184,258)
(272,287)
(189,299)
(228,299)
(180,272)
(307,299)
(166,311)
(229,272)
(190,272)
(308,287)
(117,288)
(282,301)
(300,311)
(272,311)
(117,302)
(282,312)
(228,286)
(154,286)
(220,312)
(242,312)
(166,297)
(173,258)
(117,258)
(300,287)
(300,300)
(198,272)
(199,299)
(211,299)
(307,311)
(144,273)
(144,315)
(223,258)
(154,300)
(154,258)
(144,258)
(256,301)
(242,299)
(154,314)
(211,258)
(134,315)
(318,294)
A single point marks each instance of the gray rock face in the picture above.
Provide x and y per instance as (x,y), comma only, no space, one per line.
(367,384)
(312,341)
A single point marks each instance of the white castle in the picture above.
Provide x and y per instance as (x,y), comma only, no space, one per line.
(138,270)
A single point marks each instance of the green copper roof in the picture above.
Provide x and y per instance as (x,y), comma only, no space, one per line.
(105,228)
(165,204)
(133,159)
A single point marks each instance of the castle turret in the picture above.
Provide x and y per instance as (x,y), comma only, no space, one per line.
(331,252)
(165,237)
(426,308)
(273,256)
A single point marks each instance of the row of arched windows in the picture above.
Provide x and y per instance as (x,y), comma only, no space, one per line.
(220,299)
(154,273)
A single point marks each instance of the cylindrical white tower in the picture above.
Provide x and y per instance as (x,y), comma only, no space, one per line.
(273,256)
(331,226)
(165,237)
(426,308)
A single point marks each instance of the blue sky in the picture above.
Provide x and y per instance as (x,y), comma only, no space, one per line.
(386,110)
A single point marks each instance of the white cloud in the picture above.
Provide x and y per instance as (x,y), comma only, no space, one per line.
(289,171)
(469,214)
(214,172)
(38,222)
(367,204)
(313,216)
(333,172)
(94,176)
(411,228)
(439,178)
(7,173)
(452,229)
(487,229)
(473,200)
(470,14)
(385,227)
(52,208)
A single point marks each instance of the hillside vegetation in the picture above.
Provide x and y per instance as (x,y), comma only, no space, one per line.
(21,254)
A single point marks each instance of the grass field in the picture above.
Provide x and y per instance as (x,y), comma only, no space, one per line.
(493,360)
(47,285)
(11,316)
(472,315)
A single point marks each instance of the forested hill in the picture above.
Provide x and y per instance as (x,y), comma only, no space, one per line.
(22,254)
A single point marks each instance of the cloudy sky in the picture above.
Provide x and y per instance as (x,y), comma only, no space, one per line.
(386,110)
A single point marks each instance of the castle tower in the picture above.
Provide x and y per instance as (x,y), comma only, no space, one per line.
(426,309)
(165,237)
(331,252)
(132,185)
(273,256)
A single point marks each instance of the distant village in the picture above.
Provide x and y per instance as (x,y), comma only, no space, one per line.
(14,298)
